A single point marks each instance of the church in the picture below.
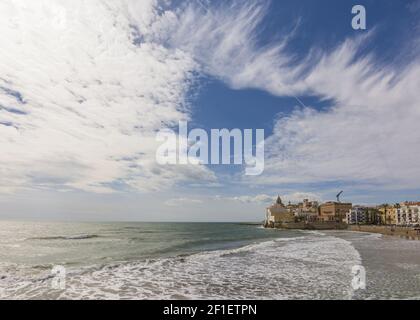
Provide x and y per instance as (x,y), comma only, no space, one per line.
(278,214)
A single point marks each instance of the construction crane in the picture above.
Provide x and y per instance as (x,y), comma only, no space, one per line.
(338,195)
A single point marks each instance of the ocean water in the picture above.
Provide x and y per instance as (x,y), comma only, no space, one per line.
(200,261)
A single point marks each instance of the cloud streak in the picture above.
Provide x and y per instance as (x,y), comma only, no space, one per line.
(81,100)
(84,86)
(367,135)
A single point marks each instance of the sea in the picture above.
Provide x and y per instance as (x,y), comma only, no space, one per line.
(63,260)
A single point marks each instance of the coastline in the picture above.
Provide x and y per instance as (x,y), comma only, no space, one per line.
(202,261)
(408,233)
(307,225)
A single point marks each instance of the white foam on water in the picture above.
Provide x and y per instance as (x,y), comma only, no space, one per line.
(319,233)
(307,267)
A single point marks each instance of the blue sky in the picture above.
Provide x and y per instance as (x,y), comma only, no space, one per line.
(88,108)
(324,24)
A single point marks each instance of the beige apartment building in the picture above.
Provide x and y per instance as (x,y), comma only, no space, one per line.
(388,214)
(334,211)
(408,214)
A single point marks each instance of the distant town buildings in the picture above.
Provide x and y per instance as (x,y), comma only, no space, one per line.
(357,215)
(387,214)
(334,211)
(407,213)
(306,211)
(277,214)
(309,212)
(363,215)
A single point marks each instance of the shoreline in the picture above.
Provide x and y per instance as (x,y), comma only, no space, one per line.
(408,233)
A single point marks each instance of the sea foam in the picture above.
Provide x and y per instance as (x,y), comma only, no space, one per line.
(305,267)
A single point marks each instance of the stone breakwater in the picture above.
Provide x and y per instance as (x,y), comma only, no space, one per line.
(402,232)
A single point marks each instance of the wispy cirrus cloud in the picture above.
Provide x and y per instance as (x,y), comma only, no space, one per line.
(81,97)
(85,85)
(367,136)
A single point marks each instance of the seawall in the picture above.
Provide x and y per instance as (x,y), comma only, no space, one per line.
(402,232)
(310,226)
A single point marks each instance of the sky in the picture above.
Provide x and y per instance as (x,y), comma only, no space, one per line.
(85,86)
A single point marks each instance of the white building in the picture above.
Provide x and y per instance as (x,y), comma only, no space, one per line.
(357,215)
(408,214)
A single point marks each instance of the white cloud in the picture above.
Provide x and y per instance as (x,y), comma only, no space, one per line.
(80,102)
(224,41)
(369,135)
(177,202)
(265,199)
(258,199)
(297,197)
(85,85)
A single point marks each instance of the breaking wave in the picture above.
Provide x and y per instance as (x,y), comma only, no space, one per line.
(306,267)
(71,237)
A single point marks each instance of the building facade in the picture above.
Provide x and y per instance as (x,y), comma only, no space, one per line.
(334,211)
(407,214)
(278,213)
(306,210)
(310,206)
(387,214)
(362,215)
(356,215)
